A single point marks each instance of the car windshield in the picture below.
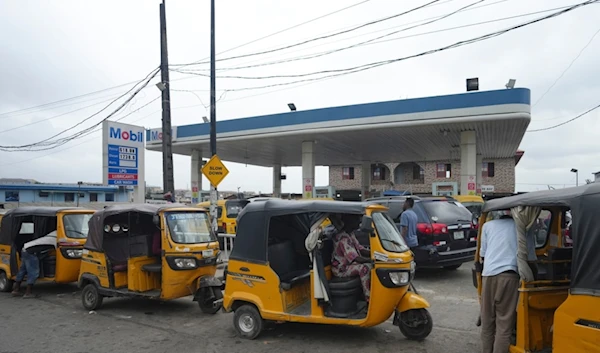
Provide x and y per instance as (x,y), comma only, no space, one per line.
(391,240)
(233,208)
(189,227)
(446,212)
(76,225)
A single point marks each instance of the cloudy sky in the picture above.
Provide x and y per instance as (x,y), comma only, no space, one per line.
(55,51)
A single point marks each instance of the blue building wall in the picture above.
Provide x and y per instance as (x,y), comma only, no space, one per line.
(60,193)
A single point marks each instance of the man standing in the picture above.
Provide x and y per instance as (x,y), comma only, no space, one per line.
(500,283)
(408,224)
(30,263)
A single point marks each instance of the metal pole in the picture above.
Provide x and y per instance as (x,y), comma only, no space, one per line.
(577,178)
(168,180)
(213,113)
(78,193)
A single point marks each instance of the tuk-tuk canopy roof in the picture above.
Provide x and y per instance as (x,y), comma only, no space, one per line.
(96,224)
(8,227)
(584,202)
(253,222)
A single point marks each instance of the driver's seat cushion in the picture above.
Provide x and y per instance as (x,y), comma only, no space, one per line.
(284,261)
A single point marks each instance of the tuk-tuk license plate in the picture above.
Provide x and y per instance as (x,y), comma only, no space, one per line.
(208,253)
(459,235)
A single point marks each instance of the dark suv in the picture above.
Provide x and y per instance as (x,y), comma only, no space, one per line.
(446,232)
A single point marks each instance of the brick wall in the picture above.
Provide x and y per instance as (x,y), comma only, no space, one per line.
(503,180)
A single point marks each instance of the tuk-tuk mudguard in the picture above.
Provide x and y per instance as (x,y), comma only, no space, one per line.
(207,282)
(88,278)
(411,301)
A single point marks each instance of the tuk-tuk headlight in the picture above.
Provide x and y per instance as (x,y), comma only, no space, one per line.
(400,278)
(185,263)
(73,253)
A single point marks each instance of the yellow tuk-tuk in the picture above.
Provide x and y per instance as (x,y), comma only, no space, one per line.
(559,297)
(24,224)
(473,203)
(153,251)
(280,270)
(227,212)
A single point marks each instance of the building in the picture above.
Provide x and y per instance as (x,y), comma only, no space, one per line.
(438,177)
(22,191)
(596,177)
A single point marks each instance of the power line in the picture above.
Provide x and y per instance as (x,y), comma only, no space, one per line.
(346,71)
(310,56)
(317,38)
(568,67)
(568,121)
(47,142)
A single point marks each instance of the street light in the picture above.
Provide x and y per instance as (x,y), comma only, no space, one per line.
(78,191)
(573,170)
(205,119)
(292,106)
(511,83)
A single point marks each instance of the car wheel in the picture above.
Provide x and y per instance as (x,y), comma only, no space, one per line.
(247,321)
(90,298)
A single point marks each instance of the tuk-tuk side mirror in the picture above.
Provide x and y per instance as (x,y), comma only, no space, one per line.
(156,220)
(366,225)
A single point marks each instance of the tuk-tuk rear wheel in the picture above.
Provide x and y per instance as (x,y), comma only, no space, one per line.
(247,321)
(416,324)
(90,298)
(5,283)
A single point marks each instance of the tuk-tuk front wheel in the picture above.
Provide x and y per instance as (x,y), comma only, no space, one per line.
(415,324)
(5,283)
(90,298)
(247,321)
(207,305)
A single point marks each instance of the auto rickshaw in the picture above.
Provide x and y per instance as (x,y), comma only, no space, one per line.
(559,303)
(23,224)
(151,251)
(280,270)
(473,203)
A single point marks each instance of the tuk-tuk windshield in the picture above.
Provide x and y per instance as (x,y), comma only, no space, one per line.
(391,240)
(474,208)
(76,225)
(233,208)
(189,227)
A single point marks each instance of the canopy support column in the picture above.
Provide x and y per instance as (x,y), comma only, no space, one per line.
(196,175)
(308,169)
(365,180)
(277,180)
(468,163)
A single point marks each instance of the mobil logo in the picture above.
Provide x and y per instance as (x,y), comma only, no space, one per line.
(155,135)
(116,133)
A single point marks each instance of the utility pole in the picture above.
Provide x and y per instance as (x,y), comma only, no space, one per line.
(213,113)
(168,180)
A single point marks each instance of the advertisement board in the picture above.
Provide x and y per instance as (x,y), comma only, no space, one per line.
(123,157)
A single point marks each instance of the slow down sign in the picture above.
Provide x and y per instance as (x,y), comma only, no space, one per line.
(214,170)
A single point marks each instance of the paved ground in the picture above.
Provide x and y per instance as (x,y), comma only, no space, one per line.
(57,322)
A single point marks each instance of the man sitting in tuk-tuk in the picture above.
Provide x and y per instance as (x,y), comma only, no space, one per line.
(350,259)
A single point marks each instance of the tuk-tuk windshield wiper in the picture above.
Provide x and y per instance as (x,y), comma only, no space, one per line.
(391,241)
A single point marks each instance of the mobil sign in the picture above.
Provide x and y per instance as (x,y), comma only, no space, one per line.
(155,136)
(123,154)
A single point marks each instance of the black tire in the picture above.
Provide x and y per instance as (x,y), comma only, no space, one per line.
(247,321)
(420,332)
(6,283)
(207,306)
(452,268)
(90,298)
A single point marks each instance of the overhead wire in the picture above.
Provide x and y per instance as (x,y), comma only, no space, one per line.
(568,121)
(316,38)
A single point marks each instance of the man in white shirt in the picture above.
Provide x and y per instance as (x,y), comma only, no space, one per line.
(500,283)
(30,263)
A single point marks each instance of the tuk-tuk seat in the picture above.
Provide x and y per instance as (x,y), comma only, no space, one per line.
(119,268)
(156,268)
(283,260)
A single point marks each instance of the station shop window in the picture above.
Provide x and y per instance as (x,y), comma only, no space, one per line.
(444,170)
(348,173)
(418,172)
(110,197)
(93,197)
(488,169)
(69,197)
(378,173)
(11,196)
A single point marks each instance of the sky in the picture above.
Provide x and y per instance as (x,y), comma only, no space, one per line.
(54,51)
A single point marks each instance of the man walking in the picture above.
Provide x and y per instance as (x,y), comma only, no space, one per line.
(408,224)
(500,281)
